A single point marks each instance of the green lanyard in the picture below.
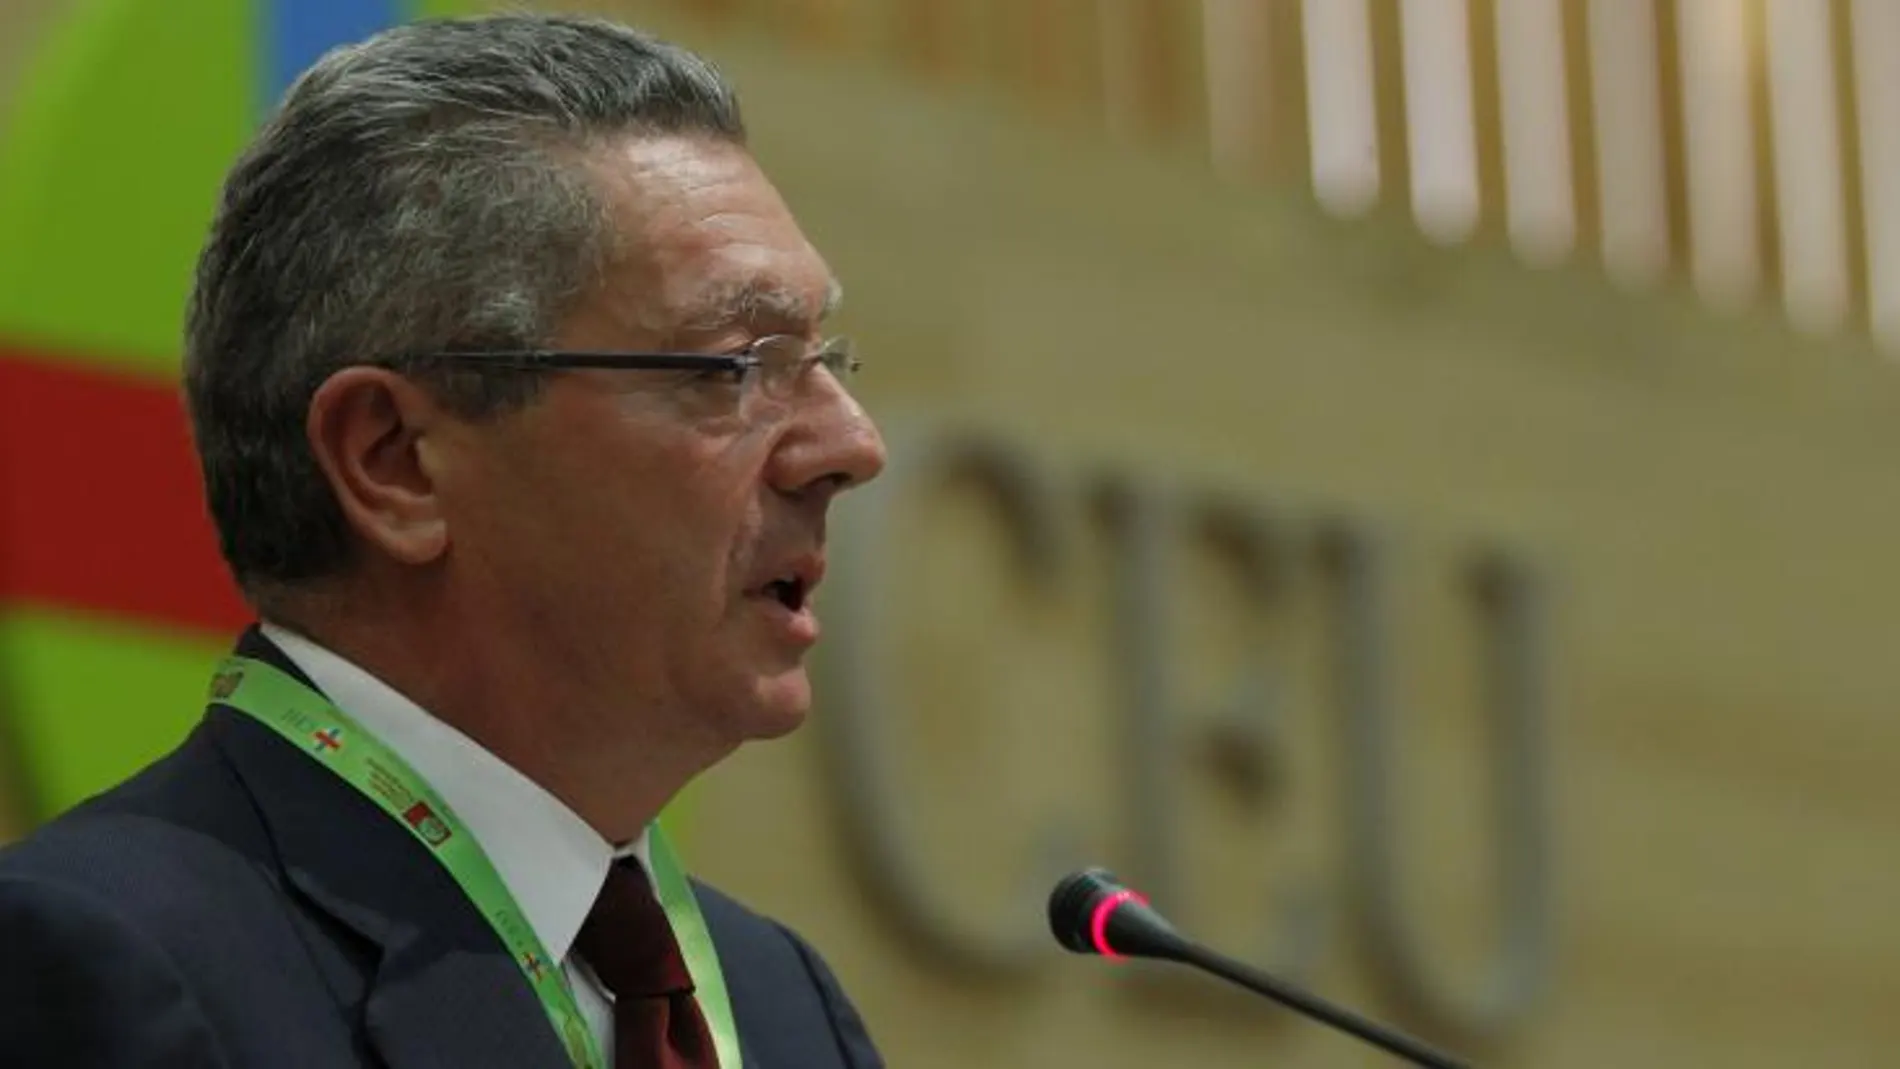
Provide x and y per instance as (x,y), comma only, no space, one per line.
(317,727)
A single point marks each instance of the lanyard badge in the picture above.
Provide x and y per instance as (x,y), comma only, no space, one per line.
(310,722)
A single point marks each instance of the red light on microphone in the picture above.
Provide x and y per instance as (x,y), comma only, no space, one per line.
(1098,924)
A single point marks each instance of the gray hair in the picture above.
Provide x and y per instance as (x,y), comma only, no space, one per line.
(423,190)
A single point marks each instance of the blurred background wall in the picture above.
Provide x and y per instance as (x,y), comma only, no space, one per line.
(1408,481)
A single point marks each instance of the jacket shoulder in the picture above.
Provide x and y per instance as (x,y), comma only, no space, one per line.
(783,991)
(180,823)
(164,905)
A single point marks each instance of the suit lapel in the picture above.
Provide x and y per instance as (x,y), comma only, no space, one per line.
(445,991)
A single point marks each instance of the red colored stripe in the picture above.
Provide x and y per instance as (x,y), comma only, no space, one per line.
(100,502)
(1098,924)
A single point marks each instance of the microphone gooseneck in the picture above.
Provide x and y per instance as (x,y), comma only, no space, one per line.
(1090,912)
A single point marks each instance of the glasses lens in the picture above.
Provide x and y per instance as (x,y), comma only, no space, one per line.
(840,358)
(784,360)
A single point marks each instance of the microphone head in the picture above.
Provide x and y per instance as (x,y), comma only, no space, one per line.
(1090,912)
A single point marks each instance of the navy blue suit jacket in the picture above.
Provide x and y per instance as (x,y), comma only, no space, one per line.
(237,905)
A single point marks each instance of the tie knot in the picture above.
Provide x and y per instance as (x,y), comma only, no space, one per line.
(628,940)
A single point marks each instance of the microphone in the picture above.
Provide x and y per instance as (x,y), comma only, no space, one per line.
(1090,912)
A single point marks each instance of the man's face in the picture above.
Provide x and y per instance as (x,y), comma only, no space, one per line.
(656,534)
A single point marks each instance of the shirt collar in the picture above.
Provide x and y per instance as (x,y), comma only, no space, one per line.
(551,860)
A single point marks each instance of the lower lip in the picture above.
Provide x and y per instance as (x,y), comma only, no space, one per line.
(800,626)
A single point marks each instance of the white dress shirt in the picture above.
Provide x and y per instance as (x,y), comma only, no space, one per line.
(552,861)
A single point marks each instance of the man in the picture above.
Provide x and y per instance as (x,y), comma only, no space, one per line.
(505,371)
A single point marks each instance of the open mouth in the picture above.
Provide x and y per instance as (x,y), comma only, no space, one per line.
(791,593)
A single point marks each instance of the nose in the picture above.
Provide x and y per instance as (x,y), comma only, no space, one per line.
(830,445)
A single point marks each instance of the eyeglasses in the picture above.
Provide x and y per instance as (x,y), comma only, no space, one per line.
(776,364)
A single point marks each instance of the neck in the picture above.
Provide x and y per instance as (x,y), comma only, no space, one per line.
(614,767)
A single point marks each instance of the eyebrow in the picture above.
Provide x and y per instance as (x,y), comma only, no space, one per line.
(754,300)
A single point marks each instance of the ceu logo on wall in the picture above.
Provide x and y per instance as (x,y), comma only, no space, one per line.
(113,603)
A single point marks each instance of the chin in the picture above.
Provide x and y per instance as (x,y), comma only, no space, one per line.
(779,705)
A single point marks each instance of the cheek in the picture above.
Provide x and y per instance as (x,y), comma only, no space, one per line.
(668,523)
(710,524)
(634,515)
(533,515)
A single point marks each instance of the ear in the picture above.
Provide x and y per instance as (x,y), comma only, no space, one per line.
(369,429)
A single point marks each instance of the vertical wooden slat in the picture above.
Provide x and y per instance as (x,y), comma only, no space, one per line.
(1877,84)
(1236,39)
(924,32)
(1626,89)
(982,42)
(1440,128)
(1178,103)
(1807,162)
(1725,237)
(904,35)
(1487,115)
(1018,70)
(1390,114)
(995,45)
(1536,126)
(1847,122)
(1144,77)
(1290,141)
(1043,58)
(1123,81)
(1674,140)
(1579,97)
(1341,98)
(1761,121)
(863,28)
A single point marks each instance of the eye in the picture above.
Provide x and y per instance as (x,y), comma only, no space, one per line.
(714,390)
(721,376)
(730,370)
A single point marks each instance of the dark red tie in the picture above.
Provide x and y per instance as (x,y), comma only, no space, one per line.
(630,945)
